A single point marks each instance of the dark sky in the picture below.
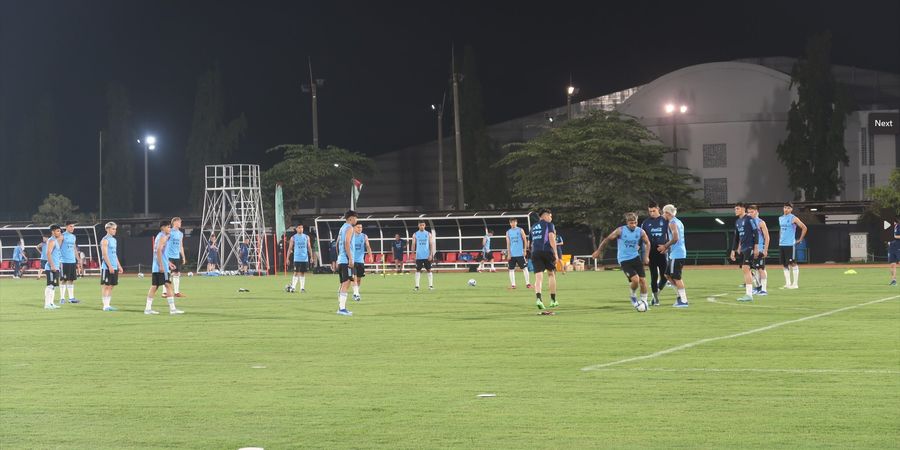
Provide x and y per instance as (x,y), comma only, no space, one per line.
(383,65)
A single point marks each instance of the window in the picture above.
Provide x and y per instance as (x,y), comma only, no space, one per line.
(714,155)
(715,190)
(871,153)
(871,180)
(863,151)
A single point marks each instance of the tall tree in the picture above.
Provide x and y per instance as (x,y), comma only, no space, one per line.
(56,209)
(593,169)
(886,199)
(119,152)
(483,188)
(212,140)
(814,147)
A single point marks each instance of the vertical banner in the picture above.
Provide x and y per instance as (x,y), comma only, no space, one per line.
(354,193)
(279,211)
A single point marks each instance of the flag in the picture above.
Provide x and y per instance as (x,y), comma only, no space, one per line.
(279,211)
(357,187)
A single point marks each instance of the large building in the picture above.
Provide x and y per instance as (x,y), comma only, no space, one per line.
(735,115)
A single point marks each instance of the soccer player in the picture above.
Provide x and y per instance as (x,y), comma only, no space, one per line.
(161,271)
(110,267)
(894,251)
(69,263)
(361,248)
(51,268)
(212,257)
(344,260)
(745,247)
(787,244)
(763,249)
(175,254)
(301,245)
(515,248)
(677,252)
(486,254)
(657,229)
(559,253)
(19,259)
(544,256)
(424,254)
(399,247)
(42,247)
(631,242)
(244,253)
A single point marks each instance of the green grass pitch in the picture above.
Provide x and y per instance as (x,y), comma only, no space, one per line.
(270,369)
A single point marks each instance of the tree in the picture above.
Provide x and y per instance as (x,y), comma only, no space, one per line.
(593,169)
(307,172)
(57,209)
(483,188)
(119,151)
(212,141)
(814,147)
(887,198)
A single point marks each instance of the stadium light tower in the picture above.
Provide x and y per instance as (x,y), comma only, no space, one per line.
(149,144)
(674,111)
(439,110)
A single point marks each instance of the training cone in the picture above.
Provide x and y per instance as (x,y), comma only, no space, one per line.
(850,272)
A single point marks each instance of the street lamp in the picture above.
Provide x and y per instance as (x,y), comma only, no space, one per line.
(149,144)
(570,91)
(439,109)
(674,111)
(352,185)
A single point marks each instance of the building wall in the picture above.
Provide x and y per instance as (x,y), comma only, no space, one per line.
(872,156)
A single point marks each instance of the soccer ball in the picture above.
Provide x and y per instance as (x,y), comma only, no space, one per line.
(190,274)
(472,282)
(140,274)
(641,306)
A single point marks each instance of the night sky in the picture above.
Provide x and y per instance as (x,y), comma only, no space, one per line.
(383,66)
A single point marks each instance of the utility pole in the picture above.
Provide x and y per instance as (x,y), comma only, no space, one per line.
(440,138)
(100,166)
(312,88)
(460,197)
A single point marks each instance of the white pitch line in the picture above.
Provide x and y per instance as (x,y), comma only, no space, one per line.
(803,371)
(731,336)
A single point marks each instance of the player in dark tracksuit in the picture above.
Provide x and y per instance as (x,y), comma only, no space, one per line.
(745,246)
(657,229)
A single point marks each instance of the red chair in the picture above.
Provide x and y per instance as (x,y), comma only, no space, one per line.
(5,265)
(409,258)
(451,257)
(34,264)
(368,259)
(498,256)
(379,258)
(389,258)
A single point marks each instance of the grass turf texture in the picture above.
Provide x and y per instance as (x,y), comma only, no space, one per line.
(406,369)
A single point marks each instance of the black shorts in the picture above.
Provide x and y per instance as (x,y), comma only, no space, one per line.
(894,252)
(744,258)
(301,267)
(633,267)
(759,263)
(345,272)
(52,277)
(68,271)
(657,258)
(360,269)
(487,256)
(177,263)
(109,278)
(517,261)
(398,258)
(543,260)
(160,279)
(245,262)
(420,263)
(787,255)
(673,268)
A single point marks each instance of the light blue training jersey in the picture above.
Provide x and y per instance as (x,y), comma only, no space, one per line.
(788,234)
(111,252)
(359,248)
(487,244)
(43,251)
(423,238)
(156,268)
(68,248)
(343,258)
(678,250)
(516,244)
(56,253)
(762,236)
(301,247)
(173,245)
(629,243)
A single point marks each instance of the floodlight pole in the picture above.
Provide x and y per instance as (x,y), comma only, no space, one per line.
(315,108)
(460,197)
(146,183)
(100,177)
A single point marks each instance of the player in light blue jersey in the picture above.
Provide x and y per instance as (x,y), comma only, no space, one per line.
(42,247)
(301,247)
(516,240)
(631,243)
(675,251)
(175,254)
(70,266)
(787,241)
(345,260)
(110,268)
(486,254)
(51,268)
(424,246)
(19,259)
(361,248)
(161,271)
(759,264)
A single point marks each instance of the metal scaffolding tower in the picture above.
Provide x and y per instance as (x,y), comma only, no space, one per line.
(233,211)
